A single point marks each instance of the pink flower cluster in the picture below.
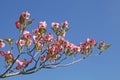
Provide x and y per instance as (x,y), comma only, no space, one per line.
(39,41)
(26,40)
(8,56)
(42,24)
(87,46)
(22,20)
(60,31)
(40,37)
(42,41)
(58,46)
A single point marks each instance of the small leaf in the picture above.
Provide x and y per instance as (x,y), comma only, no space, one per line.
(68,53)
(61,32)
(10,61)
(100,48)
(29,22)
(58,57)
(9,41)
(58,33)
(42,30)
(67,29)
(21,49)
(106,46)
(55,29)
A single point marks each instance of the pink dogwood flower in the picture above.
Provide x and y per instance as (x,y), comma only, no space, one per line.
(87,46)
(28,43)
(48,37)
(27,35)
(8,56)
(77,49)
(21,42)
(56,25)
(91,41)
(42,24)
(102,43)
(2,53)
(36,32)
(64,24)
(25,15)
(2,44)
(23,63)
(17,24)
(38,46)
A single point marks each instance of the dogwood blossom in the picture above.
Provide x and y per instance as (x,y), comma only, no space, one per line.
(21,42)
(25,15)
(9,58)
(27,35)
(42,24)
(55,25)
(2,44)
(23,63)
(64,24)
(17,24)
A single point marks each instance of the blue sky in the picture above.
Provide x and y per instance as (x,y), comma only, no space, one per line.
(87,18)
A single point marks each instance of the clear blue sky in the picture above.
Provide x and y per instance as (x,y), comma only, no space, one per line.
(87,18)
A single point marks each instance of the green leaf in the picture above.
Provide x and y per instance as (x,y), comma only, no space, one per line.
(21,49)
(43,30)
(67,29)
(58,57)
(55,29)
(9,41)
(29,22)
(61,32)
(69,53)
(100,48)
(22,20)
(106,46)
(10,61)
(37,48)
(58,33)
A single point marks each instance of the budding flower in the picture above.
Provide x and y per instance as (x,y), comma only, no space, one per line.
(25,15)
(55,25)
(64,24)
(2,44)
(27,35)
(42,24)
(17,24)
(101,44)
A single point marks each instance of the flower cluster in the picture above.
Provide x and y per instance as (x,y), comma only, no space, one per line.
(87,46)
(9,58)
(42,25)
(42,47)
(21,23)
(62,45)
(40,37)
(26,40)
(60,30)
